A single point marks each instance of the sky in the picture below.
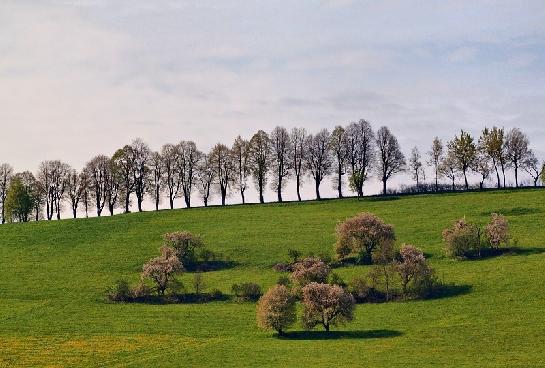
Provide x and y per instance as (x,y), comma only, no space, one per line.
(80,78)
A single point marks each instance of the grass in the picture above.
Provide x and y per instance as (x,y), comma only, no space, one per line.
(53,277)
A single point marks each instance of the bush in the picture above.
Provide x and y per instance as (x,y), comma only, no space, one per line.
(308,270)
(412,267)
(283,267)
(360,235)
(141,290)
(283,280)
(326,305)
(186,245)
(294,254)
(497,231)
(276,309)
(119,292)
(335,279)
(247,291)
(361,290)
(462,239)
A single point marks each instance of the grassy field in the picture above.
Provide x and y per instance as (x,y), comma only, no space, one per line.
(53,277)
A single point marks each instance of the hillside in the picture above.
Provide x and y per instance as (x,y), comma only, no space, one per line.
(53,312)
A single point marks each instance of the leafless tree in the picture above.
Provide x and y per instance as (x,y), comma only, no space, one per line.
(416,166)
(97,170)
(338,147)
(318,159)
(532,166)
(141,155)
(220,159)
(241,160)
(281,152)
(53,176)
(187,167)
(122,163)
(260,160)
(75,189)
(482,166)
(6,173)
(360,149)
(156,177)
(516,143)
(170,155)
(298,140)
(205,178)
(391,160)
(435,155)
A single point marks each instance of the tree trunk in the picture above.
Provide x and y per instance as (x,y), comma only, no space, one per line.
(384,185)
(465,180)
(171,201)
(298,183)
(242,196)
(74,211)
(340,183)
(279,189)
(317,189)
(516,176)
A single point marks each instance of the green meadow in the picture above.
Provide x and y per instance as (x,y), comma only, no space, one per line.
(53,276)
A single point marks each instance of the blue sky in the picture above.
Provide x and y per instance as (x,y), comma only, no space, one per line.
(79,78)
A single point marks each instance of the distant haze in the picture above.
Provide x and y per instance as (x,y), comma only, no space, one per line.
(79,78)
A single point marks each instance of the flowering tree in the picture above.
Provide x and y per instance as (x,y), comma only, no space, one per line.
(497,230)
(308,270)
(326,305)
(276,309)
(411,266)
(362,234)
(161,269)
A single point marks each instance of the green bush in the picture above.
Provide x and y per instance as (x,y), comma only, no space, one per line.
(119,292)
(248,291)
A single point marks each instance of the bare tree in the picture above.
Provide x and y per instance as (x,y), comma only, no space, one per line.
(281,152)
(187,167)
(156,177)
(532,166)
(223,169)
(260,160)
(318,158)
(205,178)
(113,187)
(241,159)
(449,168)
(298,140)
(53,176)
(416,166)
(75,189)
(338,147)
(6,173)
(493,143)
(360,150)
(141,155)
(170,155)
(516,144)
(465,152)
(391,160)
(97,170)
(123,165)
(435,155)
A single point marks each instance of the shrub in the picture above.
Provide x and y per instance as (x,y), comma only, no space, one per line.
(361,235)
(141,290)
(247,291)
(276,309)
(185,244)
(283,280)
(326,305)
(283,267)
(359,288)
(461,239)
(497,231)
(335,279)
(294,254)
(119,292)
(308,270)
(198,283)
(161,269)
(412,266)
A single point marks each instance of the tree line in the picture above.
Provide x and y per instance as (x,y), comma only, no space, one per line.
(350,155)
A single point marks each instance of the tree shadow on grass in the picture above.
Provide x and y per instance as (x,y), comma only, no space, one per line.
(515,211)
(449,291)
(487,253)
(334,335)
